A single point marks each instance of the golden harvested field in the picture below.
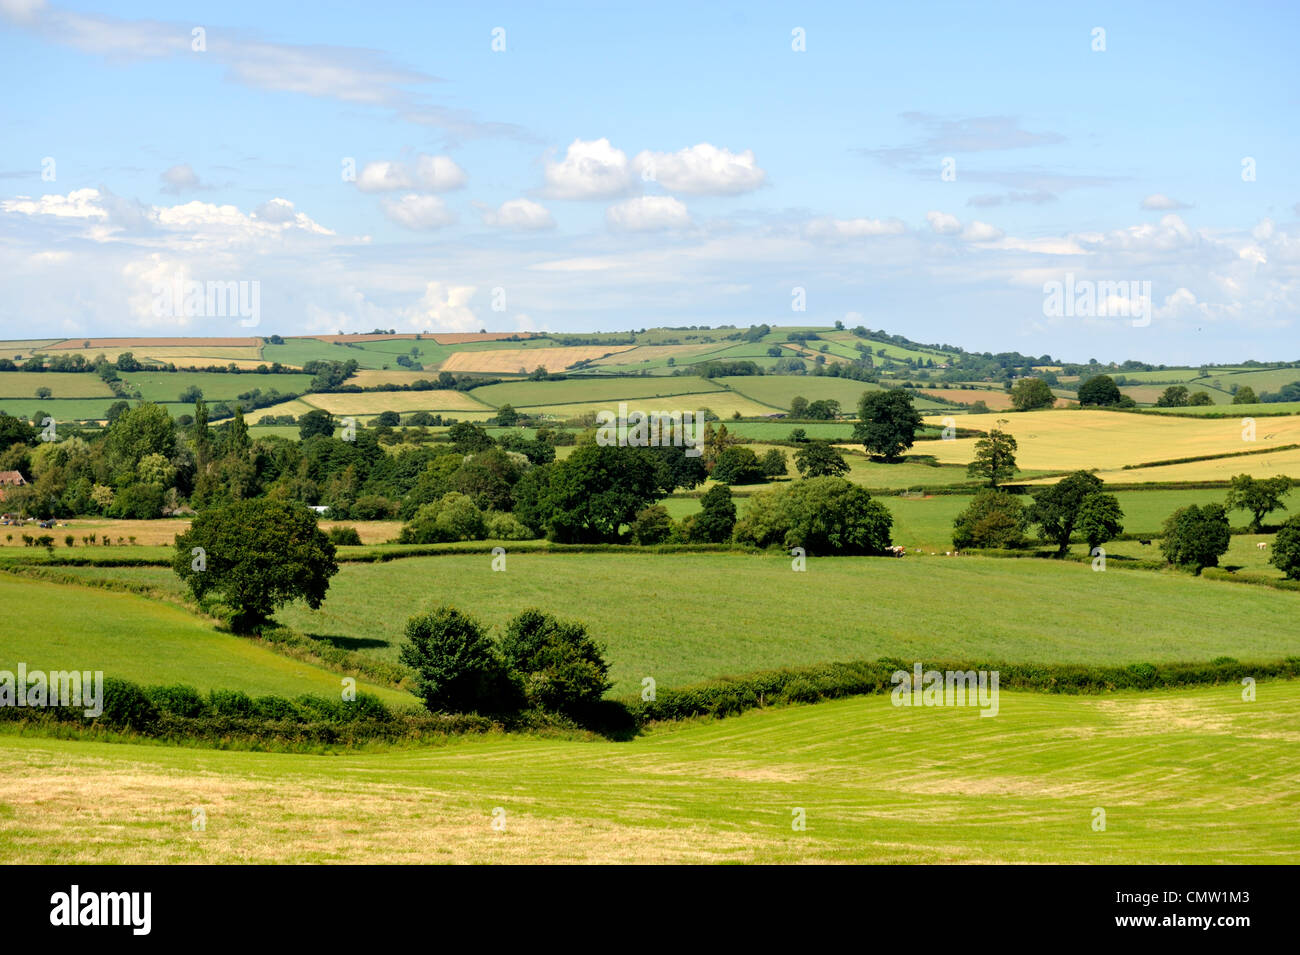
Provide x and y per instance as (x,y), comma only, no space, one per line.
(372,378)
(295,408)
(244,357)
(640,353)
(373,402)
(1066,440)
(513,360)
(997,400)
(458,338)
(163,532)
(194,345)
(1219,469)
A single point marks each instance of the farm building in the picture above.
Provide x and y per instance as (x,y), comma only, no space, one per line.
(10,479)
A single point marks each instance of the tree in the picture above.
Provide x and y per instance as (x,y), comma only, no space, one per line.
(825,515)
(388,419)
(1099,390)
(717,516)
(887,423)
(1030,394)
(1259,496)
(995,457)
(1175,396)
(1286,549)
(457,667)
(1245,395)
(468,438)
(1200,399)
(591,494)
(652,525)
(257,554)
(798,406)
(823,409)
(1100,519)
(1195,537)
(452,518)
(992,519)
(559,666)
(43,392)
(1056,508)
(818,459)
(738,465)
(507,416)
(315,423)
(774,464)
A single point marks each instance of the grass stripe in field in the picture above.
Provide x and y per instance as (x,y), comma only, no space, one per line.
(1195,776)
(62,626)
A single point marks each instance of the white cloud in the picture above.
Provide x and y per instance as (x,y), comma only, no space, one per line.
(647,214)
(840,229)
(432,173)
(591,169)
(522,214)
(981,232)
(180,178)
(703,169)
(78,204)
(1160,202)
(439,173)
(445,308)
(384,176)
(415,211)
(943,223)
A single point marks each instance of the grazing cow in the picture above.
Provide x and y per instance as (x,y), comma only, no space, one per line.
(1262,545)
(1145,543)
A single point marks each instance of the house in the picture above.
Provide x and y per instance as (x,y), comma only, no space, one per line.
(10,479)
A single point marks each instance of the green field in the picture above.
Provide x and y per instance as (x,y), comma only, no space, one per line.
(1195,776)
(163,386)
(23,384)
(140,639)
(522,394)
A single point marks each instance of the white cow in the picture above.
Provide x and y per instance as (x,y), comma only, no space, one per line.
(1262,545)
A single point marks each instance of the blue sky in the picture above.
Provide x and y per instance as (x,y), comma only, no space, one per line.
(673,164)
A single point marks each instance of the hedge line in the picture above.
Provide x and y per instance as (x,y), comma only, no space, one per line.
(1210,457)
(728,696)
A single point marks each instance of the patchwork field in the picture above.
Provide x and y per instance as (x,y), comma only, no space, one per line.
(521,361)
(1195,776)
(400,401)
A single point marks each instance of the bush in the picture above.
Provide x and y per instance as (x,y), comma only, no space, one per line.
(824,515)
(717,517)
(178,700)
(993,519)
(453,518)
(652,525)
(230,703)
(774,464)
(1286,549)
(1195,537)
(559,666)
(506,527)
(344,536)
(457,667)
(127,705)
(738,465)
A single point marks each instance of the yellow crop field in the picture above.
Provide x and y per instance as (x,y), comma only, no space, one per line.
(294,407)
(1061,440)
(373,378)
(1218,469)
(181,356)
(373,402)
(640,353)
(512,360)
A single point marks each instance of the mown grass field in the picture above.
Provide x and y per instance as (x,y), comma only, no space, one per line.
(23,384)
(779,390)
(1196,776)
(167,386)
(145,640)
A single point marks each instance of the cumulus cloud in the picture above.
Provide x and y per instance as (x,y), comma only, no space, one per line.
(415,211)
(840,229)
(703,169)
(521,214)
(981,232)
(445,308)
(78,204)
(943,223)
(647,214)
(439,173)
(1160,202)
(432,173)
(590,169)
(384,176)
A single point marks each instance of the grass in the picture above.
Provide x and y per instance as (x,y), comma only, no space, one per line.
(53,626)
(779,390)
(1195,776)
(62,384)
(216,386)
(687,619)
(577,390)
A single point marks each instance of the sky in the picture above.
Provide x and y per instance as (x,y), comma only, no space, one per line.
(927,169)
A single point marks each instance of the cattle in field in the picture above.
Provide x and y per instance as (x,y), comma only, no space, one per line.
(1262,545)
(1145,543)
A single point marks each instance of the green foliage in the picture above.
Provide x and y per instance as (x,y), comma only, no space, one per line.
(1175,396)
(825,515)
(1031,394)
(887,423)
(774,463)
(1100,391)
(820,459)
(738,465)
(344,537)
(316,423)
(257,555)
(1286,549)
(717,516)
(1195,537)
(455,517)
(652,525)
(995,458)
(1259,496)
(1056,508)
(993,519)
(560,668)
(592,493)
(1100,519)
(1245,395)
(458,668)
(1199,399)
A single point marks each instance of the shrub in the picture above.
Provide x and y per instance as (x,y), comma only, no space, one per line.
(819,459)
(1286,549)
(558,665)
(1195,537)
(178,700)
(652,525)
(457,667)
(825,515)
(717,516)
(125,704)
(453,518)
(774,463)
(230,703)
(344,536)
(506,527)
(993,519)
(738,465)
